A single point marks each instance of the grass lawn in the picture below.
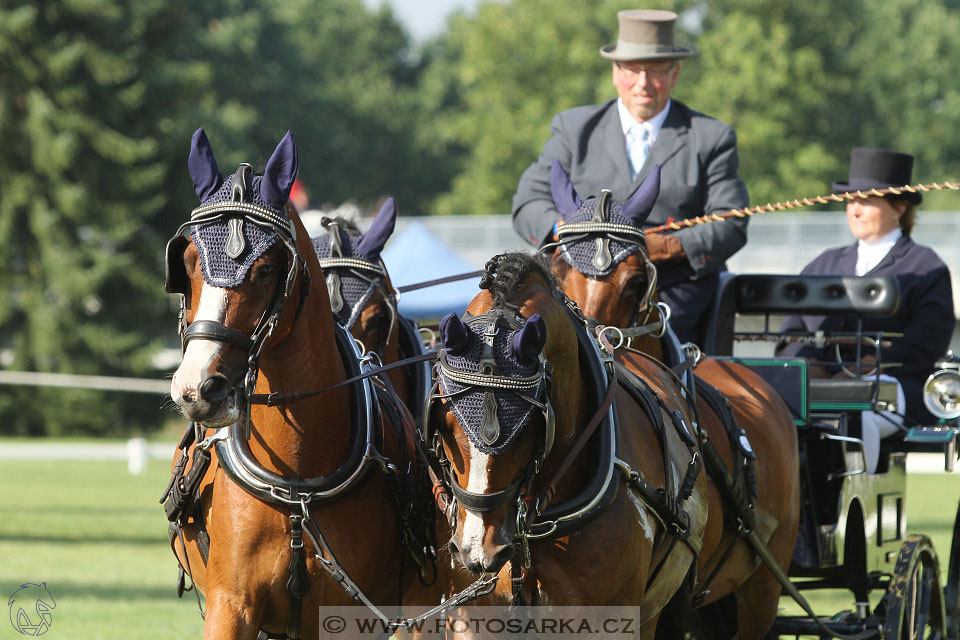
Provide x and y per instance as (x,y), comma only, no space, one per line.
(97,536)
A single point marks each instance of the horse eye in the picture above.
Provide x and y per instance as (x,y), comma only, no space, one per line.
(264,273)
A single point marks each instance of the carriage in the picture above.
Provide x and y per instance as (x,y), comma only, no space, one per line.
(853,527)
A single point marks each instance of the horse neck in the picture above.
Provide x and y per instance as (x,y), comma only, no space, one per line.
(309,437)
(568,396)
(399,378)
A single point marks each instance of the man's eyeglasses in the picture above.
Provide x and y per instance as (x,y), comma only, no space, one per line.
(657,70)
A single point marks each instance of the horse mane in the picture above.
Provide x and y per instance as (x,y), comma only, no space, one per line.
(507,271)
(345,223)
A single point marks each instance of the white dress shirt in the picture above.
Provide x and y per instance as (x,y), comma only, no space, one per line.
(869,254)
(634,138)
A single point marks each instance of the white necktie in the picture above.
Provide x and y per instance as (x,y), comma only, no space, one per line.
(638,148)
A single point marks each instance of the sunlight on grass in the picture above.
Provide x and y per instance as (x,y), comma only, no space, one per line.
(97,536)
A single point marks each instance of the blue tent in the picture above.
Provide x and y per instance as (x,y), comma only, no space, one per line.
(416,255)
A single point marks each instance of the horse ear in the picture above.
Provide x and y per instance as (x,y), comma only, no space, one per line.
(280,173)
(454,334)
(564,195)
(638,206)
(527,343)
(372,242)
(203,166)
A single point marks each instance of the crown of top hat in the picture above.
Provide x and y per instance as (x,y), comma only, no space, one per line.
(645,34)
(872,168)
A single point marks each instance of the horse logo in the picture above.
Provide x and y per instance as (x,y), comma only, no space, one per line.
(30,609)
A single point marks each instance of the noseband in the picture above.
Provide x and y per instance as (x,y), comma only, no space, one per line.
(237,212)
(488,379)
(336,267)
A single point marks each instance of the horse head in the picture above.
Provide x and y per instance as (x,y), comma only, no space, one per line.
(241,276)
(361,295)
(502,372)
(599,254)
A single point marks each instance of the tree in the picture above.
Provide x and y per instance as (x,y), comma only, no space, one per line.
(511,67)
(81,176)
(98,100)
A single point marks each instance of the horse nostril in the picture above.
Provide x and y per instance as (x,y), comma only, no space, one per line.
(215,389)
(454,549)
(500,558)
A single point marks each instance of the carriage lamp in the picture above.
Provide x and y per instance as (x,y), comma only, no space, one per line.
(941,394)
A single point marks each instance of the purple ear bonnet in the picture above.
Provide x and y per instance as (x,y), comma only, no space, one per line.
(581,252)
(230,245)
(513,412)
(350,293)
(351,285)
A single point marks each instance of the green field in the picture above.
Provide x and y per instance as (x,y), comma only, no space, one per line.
(97,537)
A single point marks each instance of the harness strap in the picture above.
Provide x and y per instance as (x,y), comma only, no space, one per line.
(732,485)
(299,582)
(430,283)
(551,487)
(277,398)
(210,330)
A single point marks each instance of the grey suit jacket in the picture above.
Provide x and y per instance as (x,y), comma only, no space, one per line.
(698,159)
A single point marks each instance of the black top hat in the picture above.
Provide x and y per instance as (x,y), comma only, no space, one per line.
(872,168)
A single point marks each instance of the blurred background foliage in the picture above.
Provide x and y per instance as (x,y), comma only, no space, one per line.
(98,99)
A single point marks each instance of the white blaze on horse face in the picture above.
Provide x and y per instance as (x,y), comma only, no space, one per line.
(473,527)
(201,354)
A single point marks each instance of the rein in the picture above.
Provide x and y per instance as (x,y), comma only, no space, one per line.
(279,399)
(804,202)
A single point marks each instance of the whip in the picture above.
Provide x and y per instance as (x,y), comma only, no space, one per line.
(675,225)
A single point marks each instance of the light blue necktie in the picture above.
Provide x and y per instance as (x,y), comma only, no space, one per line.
(638,147)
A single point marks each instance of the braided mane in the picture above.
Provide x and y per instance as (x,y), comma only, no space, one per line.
(505,273)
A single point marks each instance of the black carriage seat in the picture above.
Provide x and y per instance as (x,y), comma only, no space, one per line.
(835,394)
(765,294)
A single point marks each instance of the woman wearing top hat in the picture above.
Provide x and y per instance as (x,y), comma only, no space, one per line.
(882,227)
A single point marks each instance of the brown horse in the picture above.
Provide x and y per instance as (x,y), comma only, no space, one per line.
(553,485)
(292,478)
(601,262)
(364,301)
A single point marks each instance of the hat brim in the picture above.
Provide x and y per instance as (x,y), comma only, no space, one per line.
(866,185)
(623,54)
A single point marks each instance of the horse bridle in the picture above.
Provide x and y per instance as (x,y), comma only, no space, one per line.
(237,212)
(488,378)
(603,231)
(373,273)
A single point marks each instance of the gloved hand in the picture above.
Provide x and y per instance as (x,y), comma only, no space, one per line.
(662,247)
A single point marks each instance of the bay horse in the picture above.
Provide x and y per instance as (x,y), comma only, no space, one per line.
(557,475)
(364,300)
(599,258)
(294,477)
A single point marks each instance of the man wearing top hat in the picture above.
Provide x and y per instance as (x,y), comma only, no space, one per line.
(613,146)
(882,226)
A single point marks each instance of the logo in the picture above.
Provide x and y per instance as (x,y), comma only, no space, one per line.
(30,609)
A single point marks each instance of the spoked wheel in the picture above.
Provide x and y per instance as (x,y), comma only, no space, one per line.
(952,591)
(914,599)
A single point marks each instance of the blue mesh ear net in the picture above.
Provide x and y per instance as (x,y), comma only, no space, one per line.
(219,269)
(354,291)
(579,253)
(513,412)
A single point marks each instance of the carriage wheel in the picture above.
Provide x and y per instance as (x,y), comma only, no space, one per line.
(952,591)
(914,599)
